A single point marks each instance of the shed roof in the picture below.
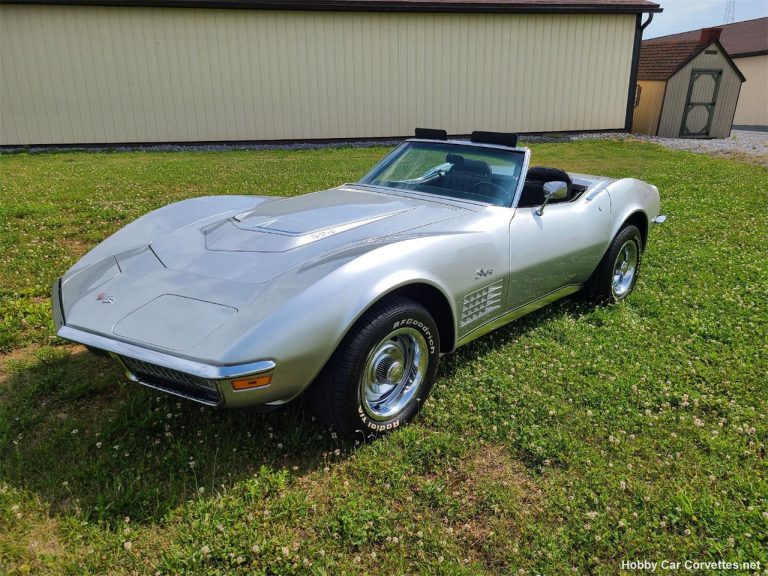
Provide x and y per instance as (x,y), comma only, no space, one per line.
(747,38)
(662,60)
(497,6)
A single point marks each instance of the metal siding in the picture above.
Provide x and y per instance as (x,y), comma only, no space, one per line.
(645,118)
(752,109)
(677,91)
(84,74)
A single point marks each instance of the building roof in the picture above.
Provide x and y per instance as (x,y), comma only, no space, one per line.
(497,6)
(662,60)
(747,38)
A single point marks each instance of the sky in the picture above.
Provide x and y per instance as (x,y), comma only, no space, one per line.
(683,15)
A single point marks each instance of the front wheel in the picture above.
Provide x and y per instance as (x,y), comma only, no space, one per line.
(616,275)
(381,373)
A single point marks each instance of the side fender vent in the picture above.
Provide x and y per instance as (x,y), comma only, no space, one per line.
(481,302)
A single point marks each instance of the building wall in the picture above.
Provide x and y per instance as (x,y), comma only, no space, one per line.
(677,92)
(85,74)
(645,119)
(752,109)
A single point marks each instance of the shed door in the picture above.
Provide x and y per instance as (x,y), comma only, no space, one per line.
(700,103)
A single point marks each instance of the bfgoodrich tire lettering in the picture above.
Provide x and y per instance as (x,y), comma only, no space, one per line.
(381,373)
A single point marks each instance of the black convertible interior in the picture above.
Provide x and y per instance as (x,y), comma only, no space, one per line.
(466,174)
(476,177)
(533,189)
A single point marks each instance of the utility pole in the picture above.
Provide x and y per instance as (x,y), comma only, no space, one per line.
(730,11)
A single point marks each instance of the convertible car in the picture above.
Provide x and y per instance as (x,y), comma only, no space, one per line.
(352,294)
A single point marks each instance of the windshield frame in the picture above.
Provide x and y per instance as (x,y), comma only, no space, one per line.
(525,152)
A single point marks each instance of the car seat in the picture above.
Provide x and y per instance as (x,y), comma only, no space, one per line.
(533,188)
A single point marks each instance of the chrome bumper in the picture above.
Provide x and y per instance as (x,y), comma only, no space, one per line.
(208,384)
(204,383)
(199,369)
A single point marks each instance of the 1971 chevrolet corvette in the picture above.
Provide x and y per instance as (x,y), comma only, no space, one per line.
(354,292)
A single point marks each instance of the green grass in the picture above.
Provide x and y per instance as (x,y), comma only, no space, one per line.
(566,442)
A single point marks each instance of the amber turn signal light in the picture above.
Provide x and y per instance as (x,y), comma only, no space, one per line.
(248,383)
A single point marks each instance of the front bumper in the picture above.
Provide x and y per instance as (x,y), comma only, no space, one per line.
(205,383)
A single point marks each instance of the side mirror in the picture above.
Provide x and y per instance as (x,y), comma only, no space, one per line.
(555,190)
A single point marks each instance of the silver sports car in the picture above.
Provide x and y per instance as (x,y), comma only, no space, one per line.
(353,293)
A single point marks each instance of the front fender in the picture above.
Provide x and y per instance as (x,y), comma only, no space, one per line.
(629,196)
(320,304)
(299,319)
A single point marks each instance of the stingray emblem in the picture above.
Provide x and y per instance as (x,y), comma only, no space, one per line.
(105,298)
(483,272)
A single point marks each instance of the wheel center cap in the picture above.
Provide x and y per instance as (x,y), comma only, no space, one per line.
(395,372)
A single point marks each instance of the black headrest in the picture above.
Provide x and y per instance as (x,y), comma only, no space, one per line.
(500,138)
(542,174)
(431,134)
(468,165)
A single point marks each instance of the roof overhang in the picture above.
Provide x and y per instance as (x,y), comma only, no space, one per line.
(750,54)
(447,6)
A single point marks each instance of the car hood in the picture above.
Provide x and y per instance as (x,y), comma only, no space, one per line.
(173,293)
(275,236)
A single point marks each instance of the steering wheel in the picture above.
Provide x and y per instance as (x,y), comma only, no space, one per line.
(472,188)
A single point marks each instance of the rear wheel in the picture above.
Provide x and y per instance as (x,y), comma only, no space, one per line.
(616,275)
(381,373)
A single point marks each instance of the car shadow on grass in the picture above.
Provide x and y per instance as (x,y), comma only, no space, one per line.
(573,305)
(76,433)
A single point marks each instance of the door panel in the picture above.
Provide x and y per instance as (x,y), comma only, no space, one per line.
(560,247)
(700,103)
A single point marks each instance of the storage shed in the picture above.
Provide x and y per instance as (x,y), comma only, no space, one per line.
(686,89)
(747,43)
(141,71)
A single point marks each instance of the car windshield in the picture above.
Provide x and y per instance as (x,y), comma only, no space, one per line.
(460,171)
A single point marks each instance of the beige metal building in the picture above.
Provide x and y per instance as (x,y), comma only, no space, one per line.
(747,44)
(686,89)
(93,72)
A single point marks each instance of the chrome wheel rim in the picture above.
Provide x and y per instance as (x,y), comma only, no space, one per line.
(625,269)
(394,371)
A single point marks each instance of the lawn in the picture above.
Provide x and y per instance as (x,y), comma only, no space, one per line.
(566,442)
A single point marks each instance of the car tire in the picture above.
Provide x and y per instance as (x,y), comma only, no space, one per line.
(616,275)
(381,373)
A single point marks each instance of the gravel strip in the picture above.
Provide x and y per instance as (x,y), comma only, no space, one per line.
(201,147)
(741,143)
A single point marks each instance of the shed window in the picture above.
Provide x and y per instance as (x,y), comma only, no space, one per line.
(638,91)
